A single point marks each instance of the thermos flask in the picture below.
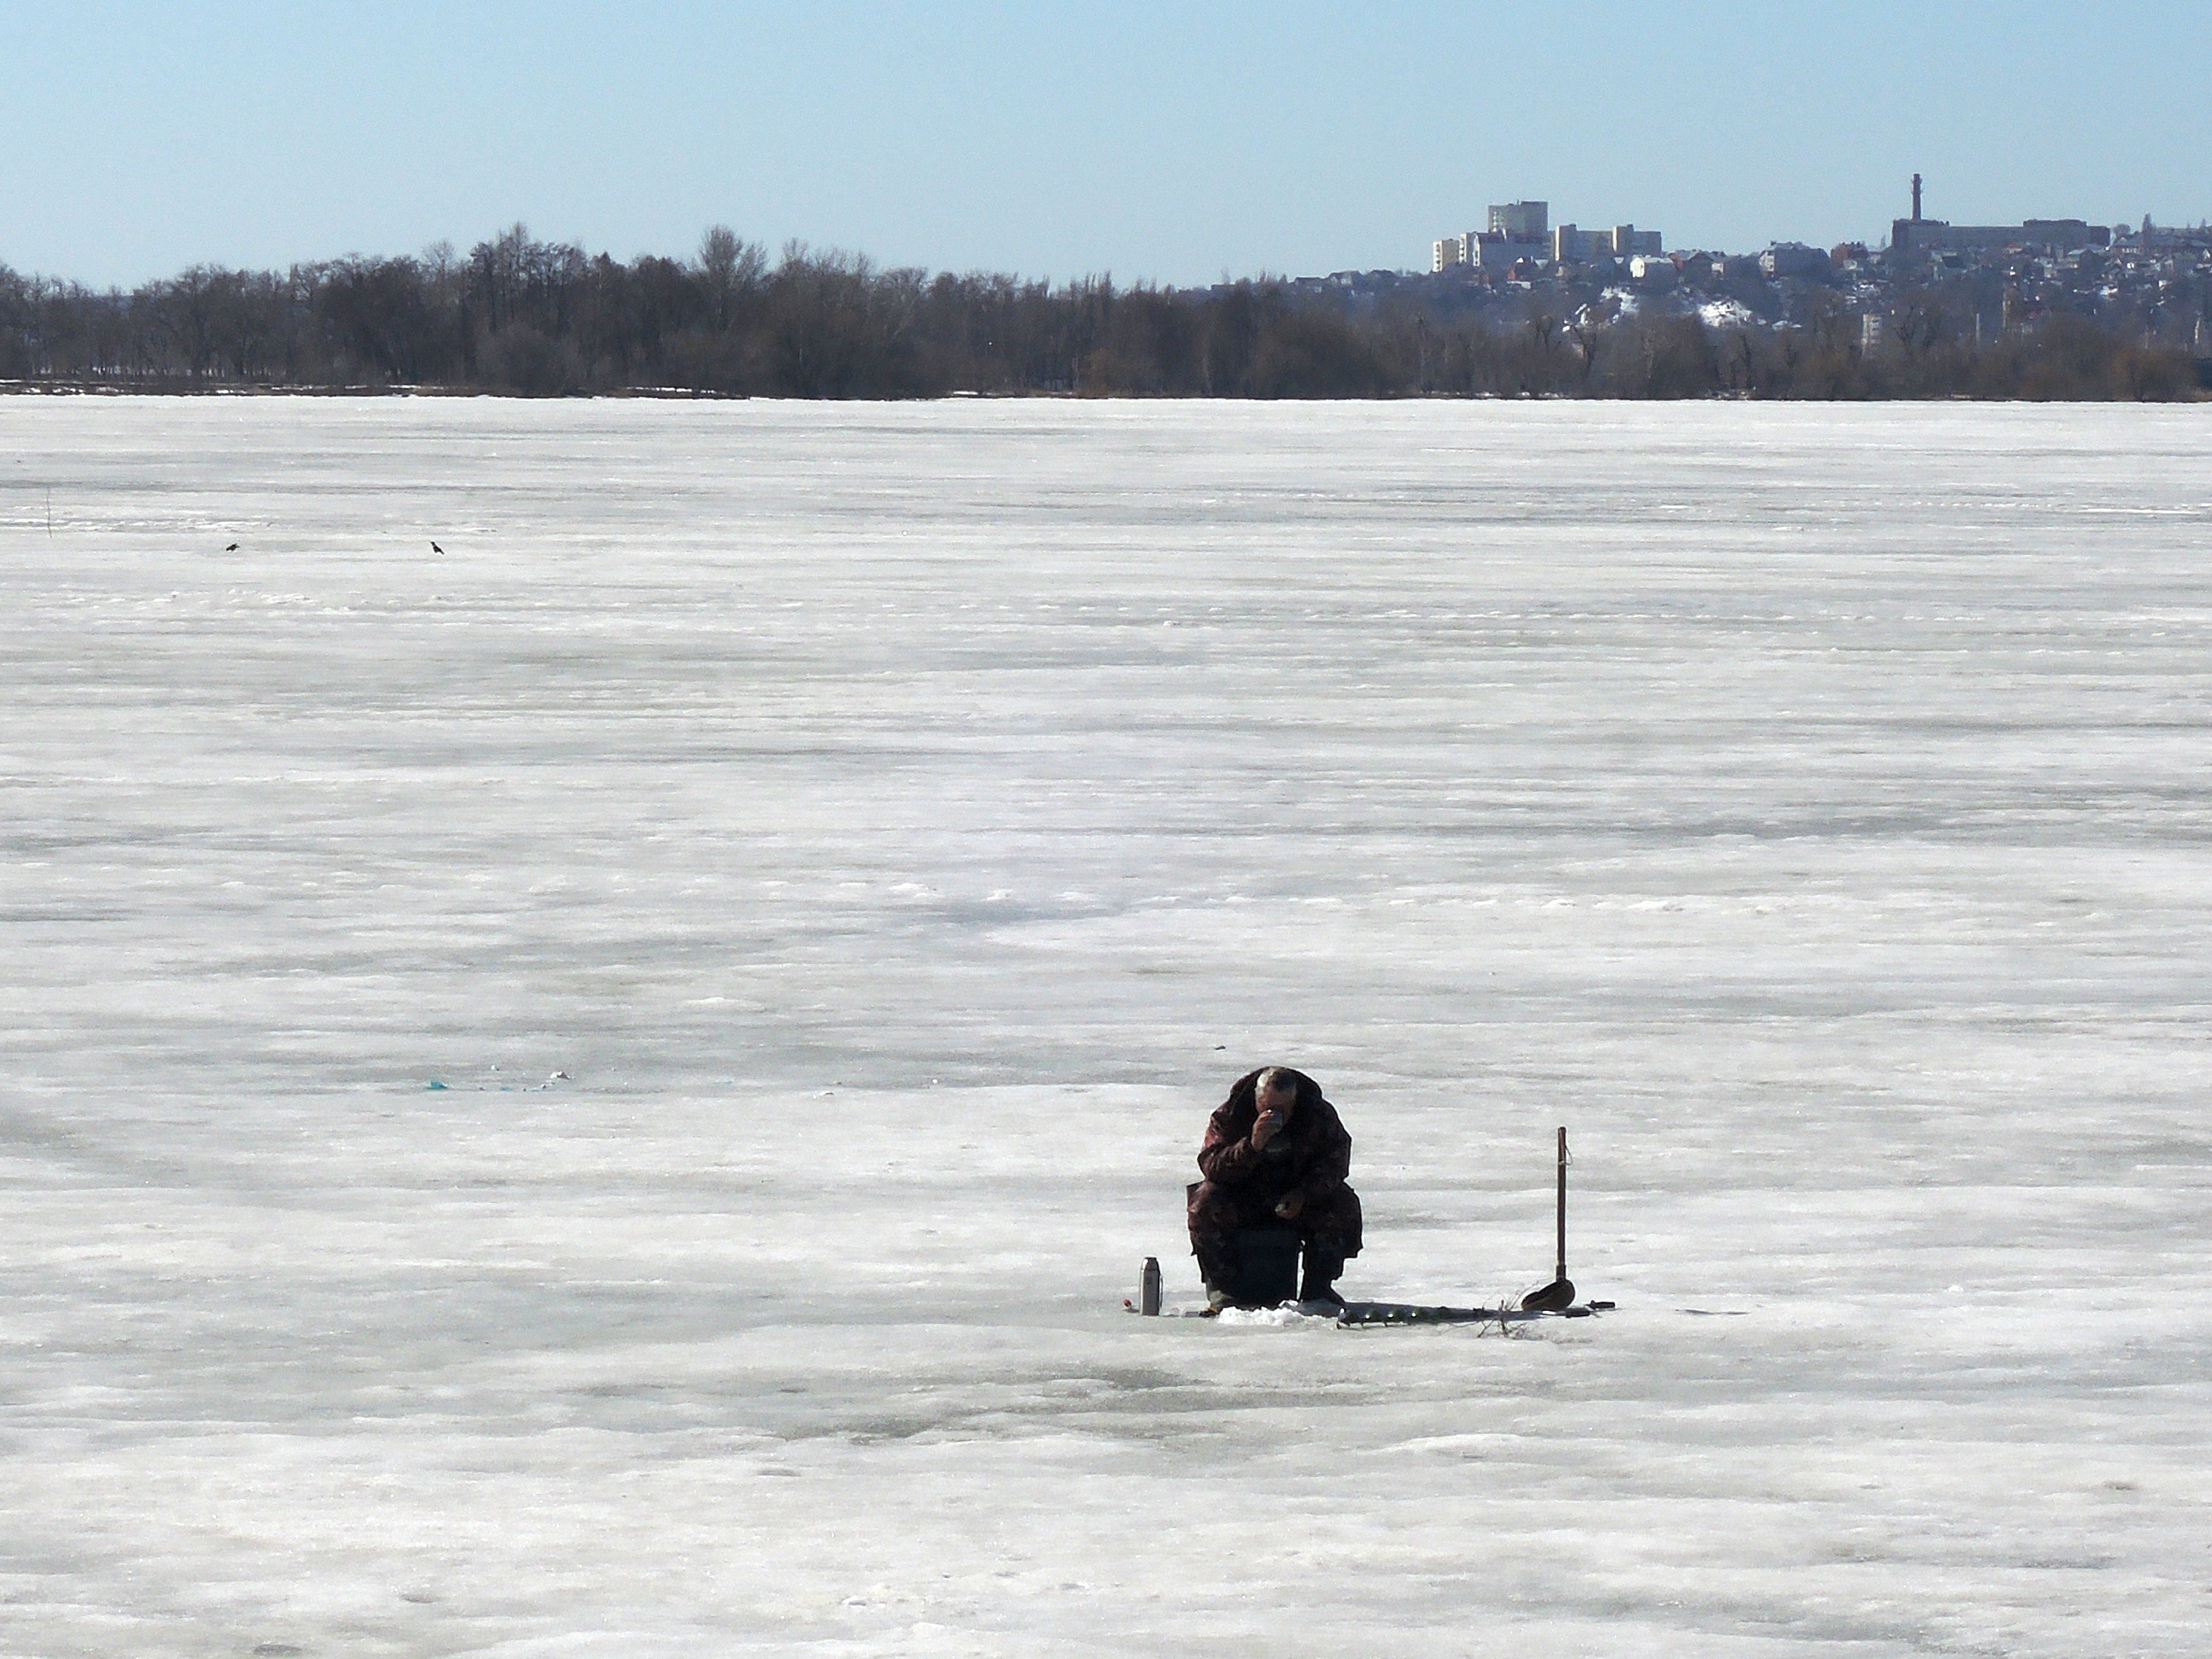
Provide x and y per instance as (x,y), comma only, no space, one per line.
(1148,1294)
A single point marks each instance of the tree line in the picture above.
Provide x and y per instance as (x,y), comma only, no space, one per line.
(522,317)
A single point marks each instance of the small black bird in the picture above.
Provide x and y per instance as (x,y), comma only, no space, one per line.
(233,548)
(435,547)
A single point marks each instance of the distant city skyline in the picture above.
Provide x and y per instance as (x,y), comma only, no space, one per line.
(1057,141)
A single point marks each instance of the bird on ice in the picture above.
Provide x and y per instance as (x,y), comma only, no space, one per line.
(233,548)
(435,547)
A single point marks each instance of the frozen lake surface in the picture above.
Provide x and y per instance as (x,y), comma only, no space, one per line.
(899,824)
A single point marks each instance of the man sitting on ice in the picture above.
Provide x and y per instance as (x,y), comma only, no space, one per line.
(1275,1153)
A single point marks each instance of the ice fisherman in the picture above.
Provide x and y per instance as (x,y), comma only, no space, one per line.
(1275,1153)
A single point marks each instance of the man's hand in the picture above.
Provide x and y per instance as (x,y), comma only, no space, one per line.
(1289,1208)
(1275,1107)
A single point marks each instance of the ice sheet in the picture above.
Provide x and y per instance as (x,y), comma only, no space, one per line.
(900,823)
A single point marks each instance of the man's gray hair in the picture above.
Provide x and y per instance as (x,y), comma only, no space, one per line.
(1275,1081)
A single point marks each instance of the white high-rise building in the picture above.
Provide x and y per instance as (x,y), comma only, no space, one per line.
(1523,230)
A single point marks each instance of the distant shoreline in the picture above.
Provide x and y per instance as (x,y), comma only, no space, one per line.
(520,318)
(662,394)
(245,389)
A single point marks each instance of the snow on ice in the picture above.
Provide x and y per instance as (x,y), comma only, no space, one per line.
(833,857)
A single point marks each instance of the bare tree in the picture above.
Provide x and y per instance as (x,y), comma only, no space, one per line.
(730,267)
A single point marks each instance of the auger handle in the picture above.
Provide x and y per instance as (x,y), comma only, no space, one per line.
(1563,1201)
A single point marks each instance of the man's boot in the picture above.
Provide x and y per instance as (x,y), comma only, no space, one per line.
(1213,1253)
(1323,1266)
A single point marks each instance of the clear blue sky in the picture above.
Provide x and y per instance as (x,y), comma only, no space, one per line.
(1175,142)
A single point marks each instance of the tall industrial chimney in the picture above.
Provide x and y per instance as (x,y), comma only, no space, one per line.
(1915,198)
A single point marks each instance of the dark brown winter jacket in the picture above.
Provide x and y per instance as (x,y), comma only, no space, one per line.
(1312,1155)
